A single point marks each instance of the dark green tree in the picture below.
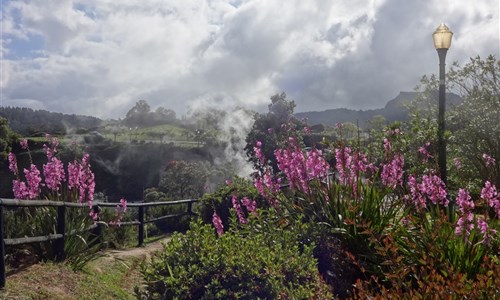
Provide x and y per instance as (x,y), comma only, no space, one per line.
(139,115)
(7,137)
(273,129)
(184,179)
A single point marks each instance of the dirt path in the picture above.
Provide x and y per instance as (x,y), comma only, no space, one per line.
(139,252)
(112,276)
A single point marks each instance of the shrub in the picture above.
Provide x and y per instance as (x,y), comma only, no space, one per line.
(247,263)
(220,200)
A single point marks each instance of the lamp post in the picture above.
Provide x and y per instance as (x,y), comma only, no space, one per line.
(442,42)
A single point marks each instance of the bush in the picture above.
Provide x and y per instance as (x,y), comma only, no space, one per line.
(246,263)
(220,200)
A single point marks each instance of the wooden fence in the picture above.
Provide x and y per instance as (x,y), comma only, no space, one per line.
(60,235)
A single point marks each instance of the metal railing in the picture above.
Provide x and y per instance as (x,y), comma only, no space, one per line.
(60,235)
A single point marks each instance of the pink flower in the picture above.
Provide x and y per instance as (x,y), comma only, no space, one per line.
(258,152)
(458,162)
(237,208)
(307,130)
(33,179)
(20,190)
(216,220)
(251,205)
(270,130)
(51,149)
(120,209)
(488,160)
(13,164)
(489,194)
(339,125)
(392,173)
(54,174)
(74,170)
(291,161)
(123,203)
(435,189)
(466,205)
(267,184)
(271,183)
(432,188)
(485,231)
(418,199)
(464,201)
(94,215)
(424,150)
(228,182)
(316,165)
(343,162)
(24,144)
(87,181)
(465,225)
(387,148)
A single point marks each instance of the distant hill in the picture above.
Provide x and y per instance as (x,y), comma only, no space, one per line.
(394,110)
(29,122)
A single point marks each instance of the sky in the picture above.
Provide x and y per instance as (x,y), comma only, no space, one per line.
(99,57)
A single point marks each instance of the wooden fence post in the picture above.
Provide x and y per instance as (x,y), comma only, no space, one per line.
(141,226)
(61,229)
(2,251)
(190,208)
(97,232)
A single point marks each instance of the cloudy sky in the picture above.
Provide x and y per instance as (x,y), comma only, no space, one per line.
(99,57)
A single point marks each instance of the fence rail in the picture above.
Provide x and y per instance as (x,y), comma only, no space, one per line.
(60,234)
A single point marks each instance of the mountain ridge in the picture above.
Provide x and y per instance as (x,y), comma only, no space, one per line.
(394,110)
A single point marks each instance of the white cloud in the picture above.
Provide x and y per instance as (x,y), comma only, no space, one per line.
(101,56)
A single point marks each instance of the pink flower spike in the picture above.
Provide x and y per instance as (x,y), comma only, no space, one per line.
(33,179)
(13,164)
(251,205)
(237,208)
(458,162)
(216,220)
(489,194)
(485,231)
(424,150)
(488,160)
(54,174)
(24,144)
(123,203)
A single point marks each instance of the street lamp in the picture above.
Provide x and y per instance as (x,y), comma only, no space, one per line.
(442,42)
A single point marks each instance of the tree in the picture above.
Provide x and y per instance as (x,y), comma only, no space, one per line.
(7,136)
(476,122)
(184,179)
(164,115)
(473,125)
(273,129)
(139,115)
